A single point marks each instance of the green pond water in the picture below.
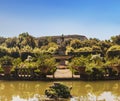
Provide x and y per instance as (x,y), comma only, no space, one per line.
(81,90)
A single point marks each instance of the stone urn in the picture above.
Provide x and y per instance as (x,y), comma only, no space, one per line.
(43,70)
(7,66)
(117,68)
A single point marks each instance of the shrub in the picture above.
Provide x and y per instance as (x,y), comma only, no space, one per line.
(113,51)
(58,90)
(79,63)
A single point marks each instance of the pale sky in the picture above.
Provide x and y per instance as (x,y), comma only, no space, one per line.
(92,18)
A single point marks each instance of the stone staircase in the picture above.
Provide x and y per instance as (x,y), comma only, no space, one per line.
(63,73)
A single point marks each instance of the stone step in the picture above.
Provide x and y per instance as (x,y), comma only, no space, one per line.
(63,73)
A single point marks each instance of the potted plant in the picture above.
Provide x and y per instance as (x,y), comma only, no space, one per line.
(113,65)
(78,64)
(6,64)
(46,65)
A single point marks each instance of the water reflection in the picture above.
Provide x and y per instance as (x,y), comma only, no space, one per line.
(20,91)
(81,91)
(112,95)
(99,91)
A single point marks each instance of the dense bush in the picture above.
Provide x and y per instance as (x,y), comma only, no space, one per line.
(116,39)
(114,51)
(3,51)
(58,90)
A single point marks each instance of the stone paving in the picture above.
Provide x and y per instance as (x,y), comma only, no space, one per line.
(63,73)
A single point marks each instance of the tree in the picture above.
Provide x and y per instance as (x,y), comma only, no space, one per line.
(41,42)
(75,44)
(90,42)
(26,39)
(11,42)
(2,40)
(14,52)
(96,49)
(25,52)
(69,50)
(116,39)
(51,48)
(84,49)
(113,51)
(104,45)
(36,51)
(3,51)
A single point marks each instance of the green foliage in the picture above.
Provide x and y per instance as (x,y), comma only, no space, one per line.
(58,90)
(25,42)
(14,52)
(96,49)
(25,52)
(19,48)
(105,45)
(89,67)
(113,51)
(25,39)
(36,51)
(96,62)
(112,62)
(6,60)
(97,59)
(51,48)
(78,63)
(1,69)
(84,49)
(90,42)
(26,64)
(114,48)
(90,62)
(17,61)
(11,42)
(69,50)
(2,40)
(75,43)
(116,39)
(46,63)
(95,71)
(3,51)
(92,65)
(6,64)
